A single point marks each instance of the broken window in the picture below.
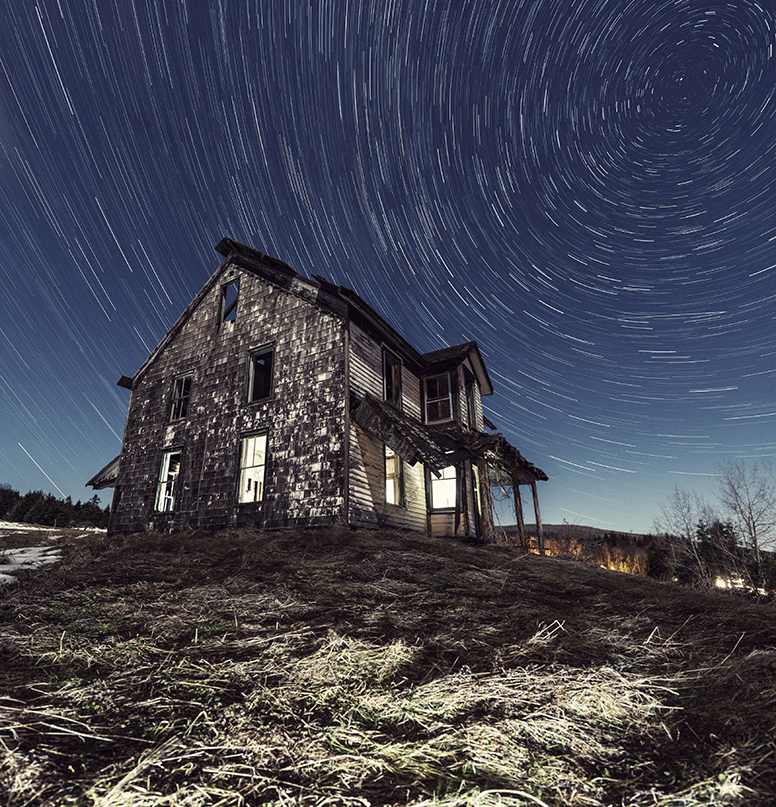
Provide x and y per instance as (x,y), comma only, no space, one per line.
(260,373)
(391,379)
(167,486)
(443,489)
(439,399)
(181,393)
(394,478)
(229,295)
(253,460)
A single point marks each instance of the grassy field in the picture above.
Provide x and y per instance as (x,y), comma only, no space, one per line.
(348,668)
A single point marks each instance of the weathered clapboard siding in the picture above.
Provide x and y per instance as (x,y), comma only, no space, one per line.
(367,487)
(410,384)
(366,372)
(366,364)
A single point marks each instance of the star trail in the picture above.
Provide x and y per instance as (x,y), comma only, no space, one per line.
(585,187)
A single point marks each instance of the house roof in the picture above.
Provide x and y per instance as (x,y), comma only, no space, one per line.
(339,299)
(106,478)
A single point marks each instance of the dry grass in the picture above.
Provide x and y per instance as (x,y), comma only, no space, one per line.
(347,668)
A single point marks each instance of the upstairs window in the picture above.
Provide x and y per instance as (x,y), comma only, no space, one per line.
(253,461)
(229,296)
(471,403)
(181,394)
(394,478)
(260,364)
(391,379)
(443,489)
(439,399)
(167,487)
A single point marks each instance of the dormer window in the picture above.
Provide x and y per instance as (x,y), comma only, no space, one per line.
(391,379)
(439,399)
(229,296)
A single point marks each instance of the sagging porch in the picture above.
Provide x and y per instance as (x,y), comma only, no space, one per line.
(481,461)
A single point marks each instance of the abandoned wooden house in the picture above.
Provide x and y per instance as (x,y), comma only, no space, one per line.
(278,401)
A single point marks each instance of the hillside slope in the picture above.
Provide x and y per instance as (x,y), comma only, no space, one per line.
(346,667)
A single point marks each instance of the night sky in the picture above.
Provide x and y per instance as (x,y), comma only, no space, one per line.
(584,187)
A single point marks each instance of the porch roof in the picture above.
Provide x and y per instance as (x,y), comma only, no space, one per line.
(439,448)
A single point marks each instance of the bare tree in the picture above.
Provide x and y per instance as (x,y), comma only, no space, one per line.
(681,514)
(750,496)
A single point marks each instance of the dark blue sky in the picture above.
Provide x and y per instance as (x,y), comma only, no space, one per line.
(584,187)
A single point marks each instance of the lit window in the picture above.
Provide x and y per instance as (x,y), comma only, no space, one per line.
(181,393)
(253,459)
(167,487)
(229,295)
(394,480)
(260,374)
(439,400)
(443,489)
(391,379)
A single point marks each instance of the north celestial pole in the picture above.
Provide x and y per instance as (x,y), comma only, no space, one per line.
(584,187)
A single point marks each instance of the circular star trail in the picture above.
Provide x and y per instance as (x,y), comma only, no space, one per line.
(583,187)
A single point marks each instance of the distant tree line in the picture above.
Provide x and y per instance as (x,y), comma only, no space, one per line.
(37,507)
(711,553)
(714,553)
(696,543)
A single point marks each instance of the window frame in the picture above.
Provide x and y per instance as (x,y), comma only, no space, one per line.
(242,468)
(181,399)
(396,477)
(432,479)
(253,355)
(168,483)
(392,379)
(427,401)
(227,305)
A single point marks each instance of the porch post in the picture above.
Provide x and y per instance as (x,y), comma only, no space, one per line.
(486,502)
(539,533)
(519,509)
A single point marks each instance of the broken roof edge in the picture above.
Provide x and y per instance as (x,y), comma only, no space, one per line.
(106,477)
(228,247)
(385,329)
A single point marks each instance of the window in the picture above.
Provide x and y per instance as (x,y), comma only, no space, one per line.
(229,294)
(391,379)
(439,400)
(181,393)
(443,489)
(394,478)
(253,460)
(471,403)
(260,373)
(167,488)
